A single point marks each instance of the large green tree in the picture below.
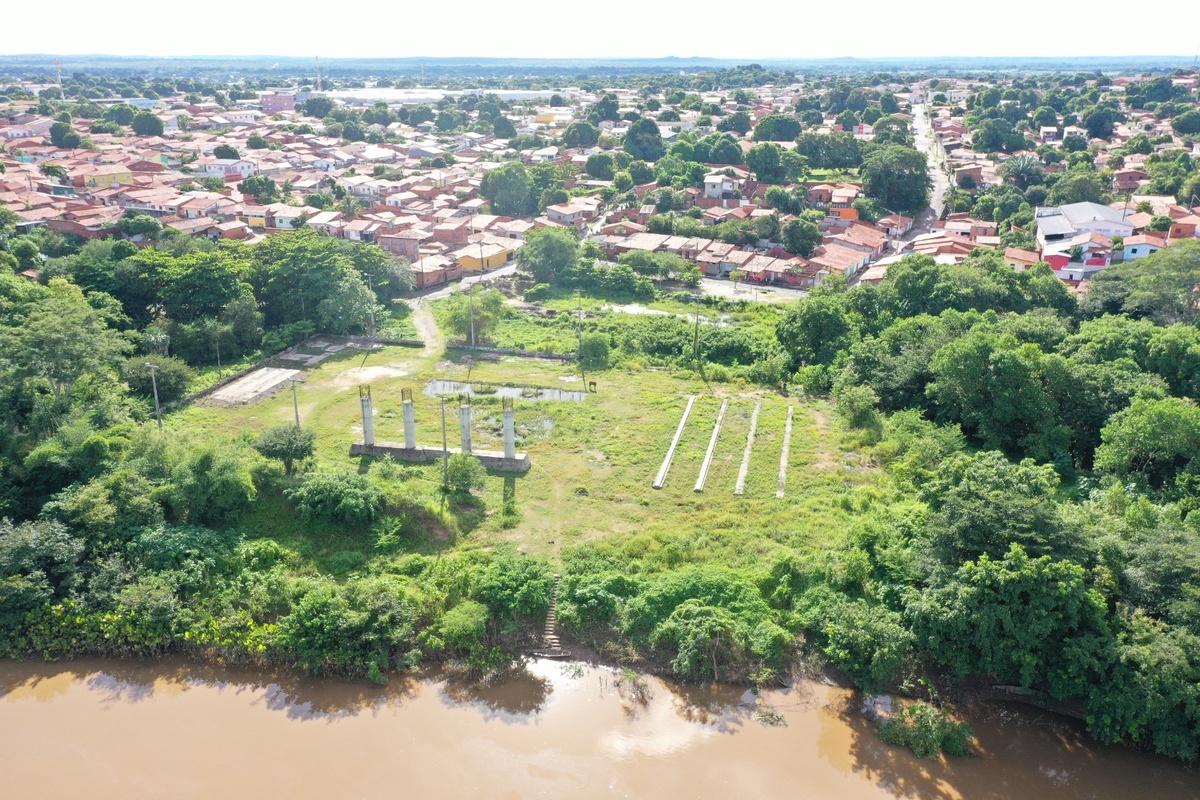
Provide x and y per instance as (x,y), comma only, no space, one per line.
(898,178)
(548,252)
(146,124)
(643,141)
(1152,441)
(60,340)
(801,237)
(507,188)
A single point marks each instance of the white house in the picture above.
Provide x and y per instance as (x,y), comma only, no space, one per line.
(720,187)
(1057,224)
(221,167)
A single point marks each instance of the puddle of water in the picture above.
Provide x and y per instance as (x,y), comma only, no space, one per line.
(439,388)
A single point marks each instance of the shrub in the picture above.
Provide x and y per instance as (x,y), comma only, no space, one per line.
(813,379)
(593,351)
(173,376)
(464,474)
(338,497)
(856,405)
(464,627)
(537,292)
(927,731)
(287,443)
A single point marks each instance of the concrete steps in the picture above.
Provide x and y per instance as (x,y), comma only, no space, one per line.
(551,645)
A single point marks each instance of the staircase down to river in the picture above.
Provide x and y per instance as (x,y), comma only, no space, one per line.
(551,647)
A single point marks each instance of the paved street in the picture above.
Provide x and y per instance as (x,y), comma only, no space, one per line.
(927,143)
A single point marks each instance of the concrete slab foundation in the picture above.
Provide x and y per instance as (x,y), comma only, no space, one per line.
(491,459)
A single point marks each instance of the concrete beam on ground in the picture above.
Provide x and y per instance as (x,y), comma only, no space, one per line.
(741,478)
(712,444)
(661,478)
(783,457)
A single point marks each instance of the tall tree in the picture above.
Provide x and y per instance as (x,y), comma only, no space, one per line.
(898,178)
(548,252)
(62,339)
(507,188)
(644,141)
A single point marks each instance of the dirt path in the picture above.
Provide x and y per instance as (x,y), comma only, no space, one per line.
(825,460)
(427,328)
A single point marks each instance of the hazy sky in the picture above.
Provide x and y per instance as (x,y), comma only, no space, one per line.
(648,28)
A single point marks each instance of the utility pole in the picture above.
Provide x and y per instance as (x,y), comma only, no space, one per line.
(374,301)
(296,402)
(154,382)
(445,451)
(471,302)
(579,334)
(696,340)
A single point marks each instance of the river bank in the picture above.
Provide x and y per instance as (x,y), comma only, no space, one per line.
(144,729)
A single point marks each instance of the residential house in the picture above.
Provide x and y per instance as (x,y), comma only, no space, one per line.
(487,253)
(108,175)
(1141,246)
(569,214)
(277,102)
(896,224)
(1021,260)
(864,238)
(721,187)
(434,270)
(406,243)
(834,258)
(1058,224)
(226,168)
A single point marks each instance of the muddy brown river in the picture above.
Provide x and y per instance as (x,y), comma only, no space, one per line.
(173,729)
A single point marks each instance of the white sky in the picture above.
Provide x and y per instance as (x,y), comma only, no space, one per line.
(648,28)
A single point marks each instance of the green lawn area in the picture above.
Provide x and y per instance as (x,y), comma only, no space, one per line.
(834,175)
(593,462)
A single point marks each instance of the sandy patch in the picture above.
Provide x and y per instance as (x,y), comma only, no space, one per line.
(361,375)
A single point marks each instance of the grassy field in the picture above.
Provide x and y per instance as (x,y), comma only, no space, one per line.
(593,462)
(834,175)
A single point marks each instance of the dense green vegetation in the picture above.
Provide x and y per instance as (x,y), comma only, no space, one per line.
(1025,513)
(1007,492)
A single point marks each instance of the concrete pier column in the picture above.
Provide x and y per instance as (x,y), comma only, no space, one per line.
(368,415)
(510,431)
(410,420)
(464,415)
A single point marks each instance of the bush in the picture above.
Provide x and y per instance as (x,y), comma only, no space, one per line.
(856,405)
(285,336)
(927,731)
(464,474)
(287,443)
(593,351)
(173,376)
(537,292)
(463,629)
(813,379)
(338,497)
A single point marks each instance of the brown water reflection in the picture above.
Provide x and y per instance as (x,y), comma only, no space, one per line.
(176,729)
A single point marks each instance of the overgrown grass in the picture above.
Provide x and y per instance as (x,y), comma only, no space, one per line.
(593,462)
(398,323)
(207,376)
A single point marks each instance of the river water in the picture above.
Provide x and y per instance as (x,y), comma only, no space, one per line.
(110,729)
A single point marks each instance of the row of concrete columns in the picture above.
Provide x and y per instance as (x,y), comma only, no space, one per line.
(410,423)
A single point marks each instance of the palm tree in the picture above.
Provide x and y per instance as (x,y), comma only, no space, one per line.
(1024,170)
